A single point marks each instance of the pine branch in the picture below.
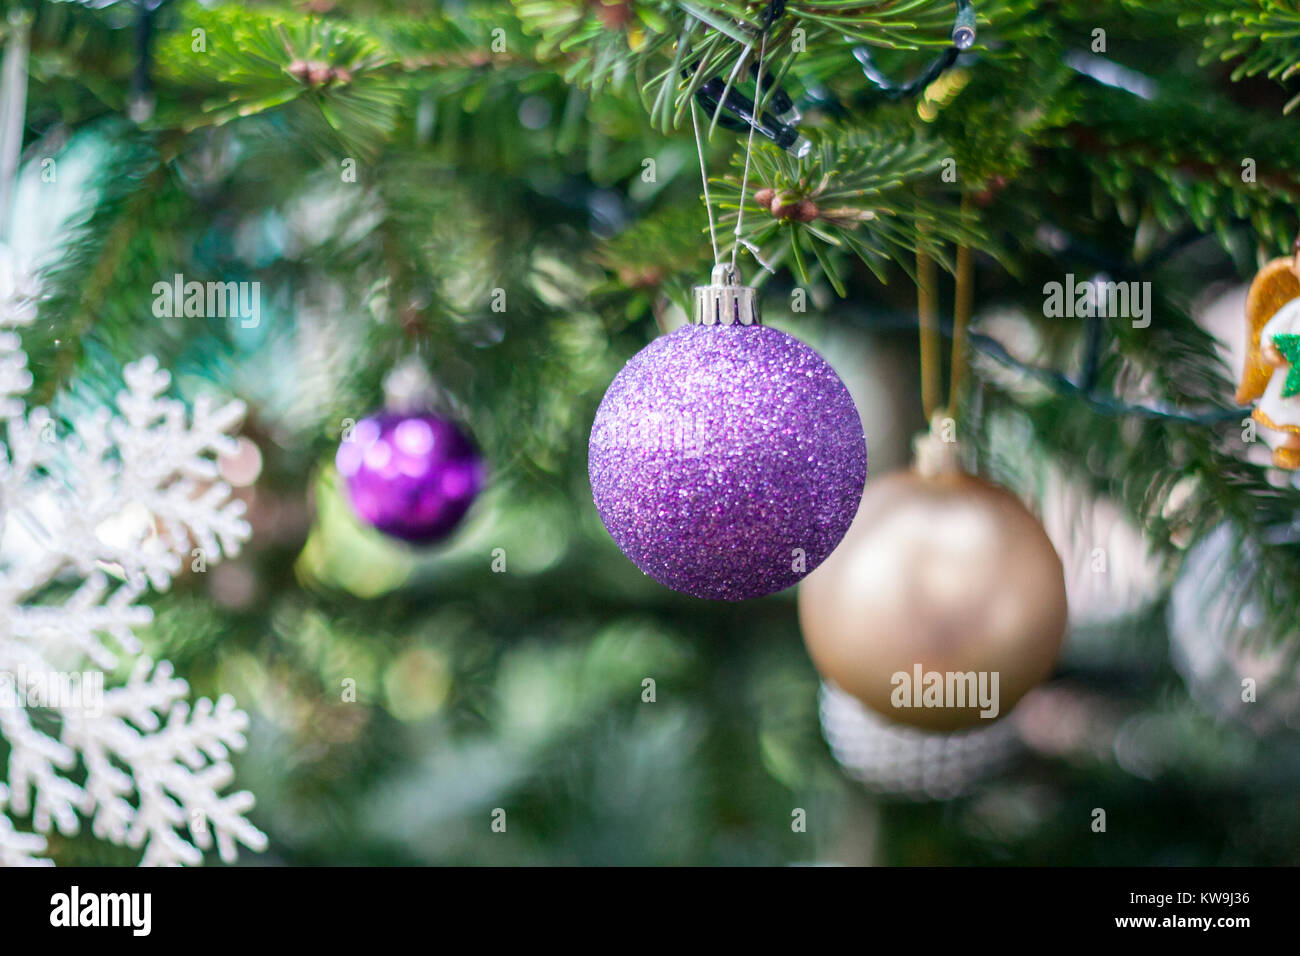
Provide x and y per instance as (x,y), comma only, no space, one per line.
(854,196)
(1192,159)
(1262,36)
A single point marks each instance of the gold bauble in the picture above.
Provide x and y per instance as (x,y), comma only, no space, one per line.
(940,574)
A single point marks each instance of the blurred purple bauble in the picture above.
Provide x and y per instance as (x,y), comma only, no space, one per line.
(727,461)
(410,476)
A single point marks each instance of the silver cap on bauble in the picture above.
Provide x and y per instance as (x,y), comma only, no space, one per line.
(724,301)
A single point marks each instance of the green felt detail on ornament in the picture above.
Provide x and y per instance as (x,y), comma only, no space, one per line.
(1289,346)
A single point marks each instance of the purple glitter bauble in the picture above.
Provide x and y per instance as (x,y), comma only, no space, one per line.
(410,476)
(727,461)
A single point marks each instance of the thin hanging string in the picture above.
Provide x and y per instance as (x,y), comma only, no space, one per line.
(704,178)
(962,307)
(749,149)
(928,313)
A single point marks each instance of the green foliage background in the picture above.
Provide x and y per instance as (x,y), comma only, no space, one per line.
(503,146)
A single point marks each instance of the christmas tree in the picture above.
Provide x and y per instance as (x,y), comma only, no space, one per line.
(316,212)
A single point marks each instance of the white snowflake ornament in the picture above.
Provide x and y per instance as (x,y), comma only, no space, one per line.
(89,521)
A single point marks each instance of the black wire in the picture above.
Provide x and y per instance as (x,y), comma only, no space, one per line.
(963,38)
(143,50)
(739,113)
(1092,355)
(1107,404)
(886,89)
(1058,382)
(144,33)
(773,12)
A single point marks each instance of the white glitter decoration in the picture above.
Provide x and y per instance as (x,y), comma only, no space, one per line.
(104,511)
(906,762)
